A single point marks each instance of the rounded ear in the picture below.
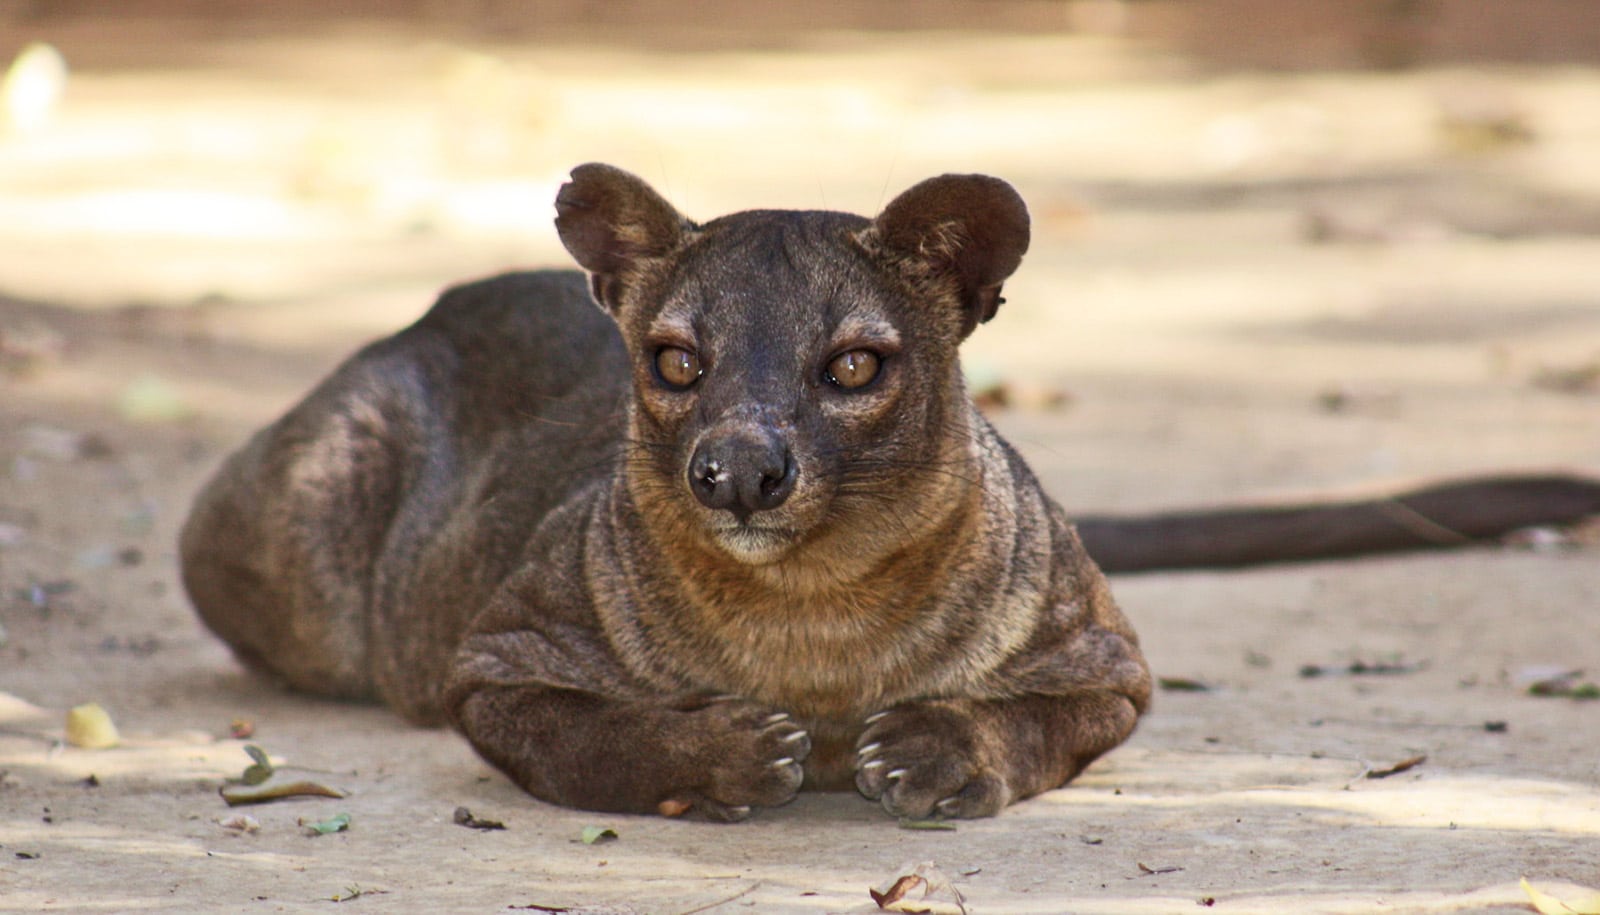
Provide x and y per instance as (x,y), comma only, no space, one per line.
(611,221)
(965,233)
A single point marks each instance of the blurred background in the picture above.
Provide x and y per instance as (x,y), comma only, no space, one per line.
(1370,228)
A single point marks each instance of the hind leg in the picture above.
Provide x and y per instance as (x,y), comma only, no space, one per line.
(279,548)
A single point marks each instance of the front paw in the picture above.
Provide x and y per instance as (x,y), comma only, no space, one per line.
(929,759)
(750,756)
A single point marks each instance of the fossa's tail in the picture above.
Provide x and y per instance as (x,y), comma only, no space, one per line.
(1443,515)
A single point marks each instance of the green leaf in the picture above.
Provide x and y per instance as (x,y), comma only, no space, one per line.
(594,835)
(261,770)
(336,823)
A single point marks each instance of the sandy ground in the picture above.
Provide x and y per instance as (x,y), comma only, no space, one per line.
(1248,286)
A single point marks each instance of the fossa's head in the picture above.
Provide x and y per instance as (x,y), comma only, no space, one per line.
(794,372)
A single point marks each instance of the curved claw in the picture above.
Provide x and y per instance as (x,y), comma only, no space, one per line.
(736,814)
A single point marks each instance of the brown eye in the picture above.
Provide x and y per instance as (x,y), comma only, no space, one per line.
(677,368)
(854,369)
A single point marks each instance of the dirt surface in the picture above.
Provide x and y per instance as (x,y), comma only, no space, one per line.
(1246,286)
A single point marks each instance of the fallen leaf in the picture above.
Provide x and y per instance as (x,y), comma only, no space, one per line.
(90,727)
(1399,767)
(464,817)
(339,822)
(241,822)
(261,769)
(1183,685)
(931,886)
(594,835)
(1586,904)
(274,789)
(1148,870)
(896,891)
(1565,686)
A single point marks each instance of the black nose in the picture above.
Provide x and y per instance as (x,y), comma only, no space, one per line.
(746,471)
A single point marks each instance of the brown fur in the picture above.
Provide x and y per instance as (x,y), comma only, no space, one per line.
(635,596)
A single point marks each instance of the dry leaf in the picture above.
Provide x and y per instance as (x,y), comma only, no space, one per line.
(927,884)
(464,817)
(90,727)
(897,891)
(1398,767)
(276,788)
(1586,904)
(594,835)
(355,892)
(241,822)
